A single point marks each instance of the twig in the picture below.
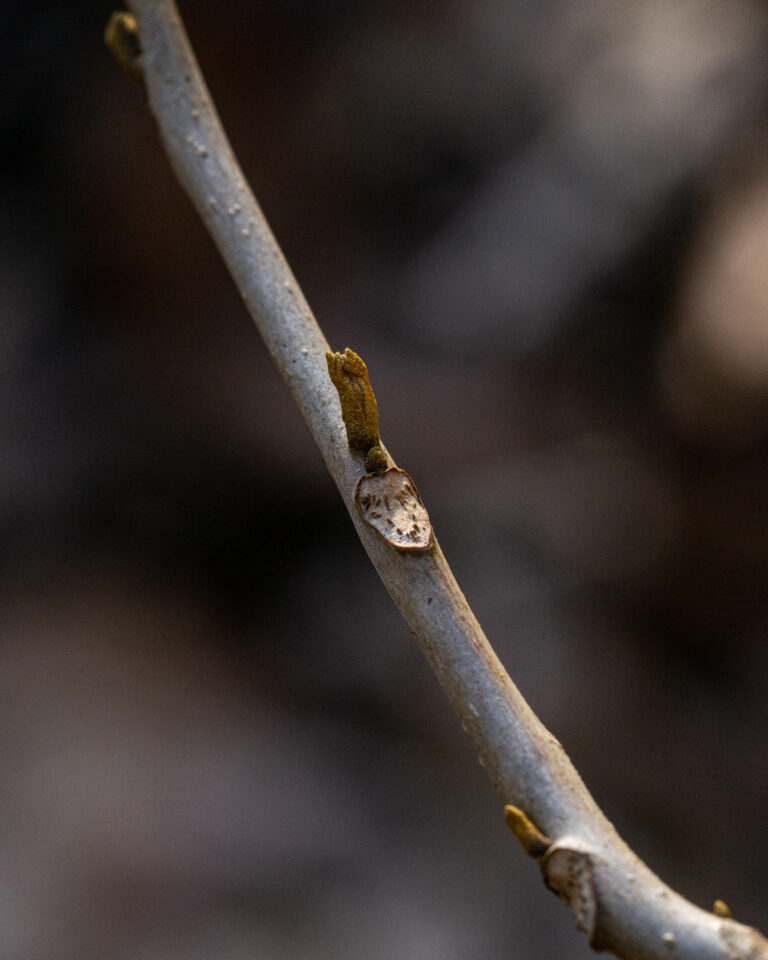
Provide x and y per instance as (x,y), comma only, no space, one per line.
(620,904)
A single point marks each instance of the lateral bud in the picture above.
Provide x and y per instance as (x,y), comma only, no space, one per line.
(532,840)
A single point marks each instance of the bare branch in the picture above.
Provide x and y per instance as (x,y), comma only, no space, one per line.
(617,900)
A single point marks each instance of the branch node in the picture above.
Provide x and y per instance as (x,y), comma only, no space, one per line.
(386,497)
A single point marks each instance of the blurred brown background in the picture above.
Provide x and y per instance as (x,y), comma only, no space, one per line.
(544,224)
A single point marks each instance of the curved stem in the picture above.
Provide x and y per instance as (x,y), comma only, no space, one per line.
(621,905)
